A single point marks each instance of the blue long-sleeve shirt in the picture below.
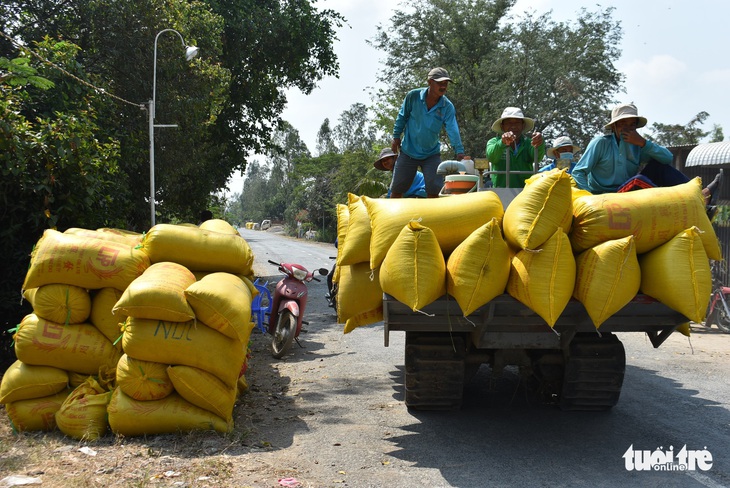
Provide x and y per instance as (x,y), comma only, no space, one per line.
(420,128)
(607,164)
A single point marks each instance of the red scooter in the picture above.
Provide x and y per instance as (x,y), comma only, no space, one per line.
(287,307)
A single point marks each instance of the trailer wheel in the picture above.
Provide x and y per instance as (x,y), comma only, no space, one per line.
(435,369)
(594,372)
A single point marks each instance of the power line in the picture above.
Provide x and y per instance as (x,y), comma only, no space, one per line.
(45,61)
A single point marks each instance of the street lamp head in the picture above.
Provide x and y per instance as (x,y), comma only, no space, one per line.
(191,52)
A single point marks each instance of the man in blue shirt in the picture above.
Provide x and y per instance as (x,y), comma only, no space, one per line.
(612,161)
(386,162)
(424,112)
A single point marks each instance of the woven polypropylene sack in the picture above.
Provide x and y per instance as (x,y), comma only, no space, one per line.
(143,380)
(222,301)
(115,235)
(108,323)
(83,413)
(158,294)
(678,274)
(219,225)
(187,343)
(607,278)
(25,381)
(36,414)
(478,269)
(198,249)
(652,215)
(64,304)
(355,248)
(450,219)
(414,270)
(75,347)
(85,262)
(172,414)
(544,279)
(358,291)
(203,390)
(542,207)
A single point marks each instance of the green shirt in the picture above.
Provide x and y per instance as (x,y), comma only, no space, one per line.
(521,160)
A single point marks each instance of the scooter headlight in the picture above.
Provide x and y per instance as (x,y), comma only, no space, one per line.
(299,273)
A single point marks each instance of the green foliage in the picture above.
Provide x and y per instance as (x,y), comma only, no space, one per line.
(560,73)
(680,135)
(56,170)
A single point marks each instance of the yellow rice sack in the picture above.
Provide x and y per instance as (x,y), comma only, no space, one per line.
(102,303)
(222,301)
(678,274)
(359,296)
(355,248)
(171,415)
(343,221)
(83,413)
(544,279)
(158,294)
(450,219)
(143,380)
(542,207)
(114,235)
(607,278)
(75,347)
(84,262)
(64,304)
(247,279)
(36,414)
(414,270)
(652,215)
(219,225)
(186,343)
(198,249)
(204,390)
(24,381)
(478,269)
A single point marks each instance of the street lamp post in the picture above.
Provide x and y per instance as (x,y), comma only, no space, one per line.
(190,53)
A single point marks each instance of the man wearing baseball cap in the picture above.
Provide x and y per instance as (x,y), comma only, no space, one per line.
(424,112)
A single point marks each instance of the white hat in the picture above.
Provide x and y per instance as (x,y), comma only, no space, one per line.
(512,113)
(561,141)
(625,111)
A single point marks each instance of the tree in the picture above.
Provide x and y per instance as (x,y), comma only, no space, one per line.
(226,103)
(325,139)
(355,131)
(57,171)
(562,74)
(681,135)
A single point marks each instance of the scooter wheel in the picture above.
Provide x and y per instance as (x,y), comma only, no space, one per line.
(723,321)
(286,327)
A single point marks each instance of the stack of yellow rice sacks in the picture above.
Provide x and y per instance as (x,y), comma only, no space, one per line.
(552,243)
(140,334)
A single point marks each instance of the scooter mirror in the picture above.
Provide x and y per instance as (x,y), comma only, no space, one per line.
(323,271)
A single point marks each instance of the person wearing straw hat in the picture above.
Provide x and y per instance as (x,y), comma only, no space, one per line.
(511,127)
(562,145)
(386,162)
(424,112)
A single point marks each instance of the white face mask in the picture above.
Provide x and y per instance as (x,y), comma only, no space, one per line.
(564,160)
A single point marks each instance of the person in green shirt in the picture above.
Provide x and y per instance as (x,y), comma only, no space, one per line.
(511,127)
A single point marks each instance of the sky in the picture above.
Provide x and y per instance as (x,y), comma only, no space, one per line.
(674,58)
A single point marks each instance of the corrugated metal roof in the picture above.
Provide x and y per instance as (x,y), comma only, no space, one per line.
(711,154)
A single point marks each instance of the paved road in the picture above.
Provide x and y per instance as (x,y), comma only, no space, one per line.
(334,414)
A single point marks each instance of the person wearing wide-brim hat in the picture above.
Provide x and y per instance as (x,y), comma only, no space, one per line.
(511,128)
(611,161)
(614,162)
(561,145)
(386,162)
